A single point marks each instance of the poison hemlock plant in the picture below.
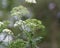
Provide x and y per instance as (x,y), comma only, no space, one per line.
(30,28)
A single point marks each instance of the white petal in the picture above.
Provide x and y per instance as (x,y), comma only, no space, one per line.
(31,1)
(34,1)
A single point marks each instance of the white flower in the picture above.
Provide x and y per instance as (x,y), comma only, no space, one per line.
(31,1)
(7,31)
(1,22)
(24,22)
(18,23)
(15,25)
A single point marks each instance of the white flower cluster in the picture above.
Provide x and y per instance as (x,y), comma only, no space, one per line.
(22,25)
(16,14)
(31,1)
(1,23)
(19,23)
(20,11)
(6,36)
(7,31)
